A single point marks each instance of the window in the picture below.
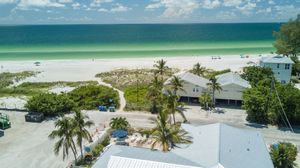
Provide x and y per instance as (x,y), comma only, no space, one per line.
(278,65)
(287,66)
(283,82)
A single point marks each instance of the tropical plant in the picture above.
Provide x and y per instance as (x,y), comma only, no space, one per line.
(50,104)
(91,96)
(161,67)
(284,155)
(198,69)
(119,123)
(172,106)
(205,100)
(167,135)
(287,39)
(214,86)
(81,131)
(176,84)
(155,93)
(65,132)
(254,74)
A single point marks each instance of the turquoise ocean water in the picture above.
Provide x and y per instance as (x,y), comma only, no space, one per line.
(134,40)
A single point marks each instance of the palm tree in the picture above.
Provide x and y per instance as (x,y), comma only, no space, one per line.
(155,93)
(172,106)
(205,100)
(176,84)
(213,85)
(161,67)
(198,69)
(81,131)
(284,155)
(65,133)
(119,123)
(168,135)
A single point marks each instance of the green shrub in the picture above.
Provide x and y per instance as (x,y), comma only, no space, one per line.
(136,98)
(50,104)
(97,150)
(284,155)
(8,78)
(91,96)
(106,141)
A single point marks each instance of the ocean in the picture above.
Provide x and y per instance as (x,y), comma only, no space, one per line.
(40,42)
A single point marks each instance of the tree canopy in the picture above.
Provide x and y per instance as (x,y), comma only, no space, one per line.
(254,74)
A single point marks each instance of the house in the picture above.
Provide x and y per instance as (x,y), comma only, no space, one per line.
(233,87)
(280,65)
(193,86)
(214,146)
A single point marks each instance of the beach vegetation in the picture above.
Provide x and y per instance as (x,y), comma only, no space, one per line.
(254,74)
(154,94)
(161,68)
(176,84)
(89,97)
(119,123)
(136,98)
(268,100)
(7,78)
(283,155)
(167,135)
(50,104)
(287,39)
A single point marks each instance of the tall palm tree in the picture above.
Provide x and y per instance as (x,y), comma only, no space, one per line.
(168,135)
(198,69)
(213,85)
(81,131)
(172,106)
(205,100)
(155,93)
(176,84)
(65,132)
(119,123)
(161,67)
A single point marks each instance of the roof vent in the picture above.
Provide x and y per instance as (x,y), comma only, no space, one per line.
(248,149)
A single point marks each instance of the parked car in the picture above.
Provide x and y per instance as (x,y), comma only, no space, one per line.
(34,117)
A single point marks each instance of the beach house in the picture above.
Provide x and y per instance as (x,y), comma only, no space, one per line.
(232,88)
(280,65)
(214,146)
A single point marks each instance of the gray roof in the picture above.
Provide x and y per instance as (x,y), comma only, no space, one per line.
(214,146)
(277,59)
(141,154)
(190,78)
(232,78)
(222,145)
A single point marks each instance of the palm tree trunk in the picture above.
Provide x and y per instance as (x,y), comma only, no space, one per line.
(81,152)
(214,101)
(74,153)
(174,117)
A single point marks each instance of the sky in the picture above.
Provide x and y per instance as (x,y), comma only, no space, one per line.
(146,11)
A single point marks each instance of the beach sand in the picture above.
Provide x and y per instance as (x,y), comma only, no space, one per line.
(86,69)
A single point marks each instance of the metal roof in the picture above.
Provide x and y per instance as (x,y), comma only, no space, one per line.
(232,78)
(190,78)
(214,146)
(277,59)
(217,145)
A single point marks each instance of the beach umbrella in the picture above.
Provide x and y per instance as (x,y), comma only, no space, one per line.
(119,133)
(37,63)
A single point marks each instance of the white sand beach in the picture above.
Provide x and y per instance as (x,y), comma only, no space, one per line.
(85,69)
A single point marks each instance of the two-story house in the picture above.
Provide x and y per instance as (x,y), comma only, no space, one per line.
(280,65)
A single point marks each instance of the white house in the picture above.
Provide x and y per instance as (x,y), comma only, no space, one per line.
(214,146)
(193,86)
(232,87)
(280,65)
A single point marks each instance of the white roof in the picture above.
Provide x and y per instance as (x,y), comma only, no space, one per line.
(277,59)
(214,146)
(219,145)
(232,78)
(123,162)
(190,78)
